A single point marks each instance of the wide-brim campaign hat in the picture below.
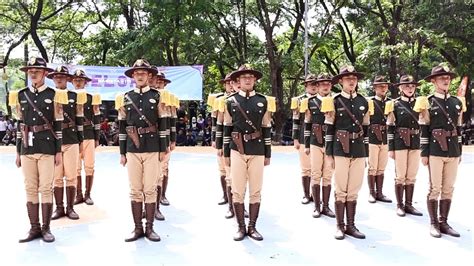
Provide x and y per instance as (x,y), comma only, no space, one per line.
(80,73)
(60,70)
(36,62)
(227,78)
(244,69)
(440,71)
(380,80)
(347,71)
(407,79)
(310,78)
(161,75)
(140,64)
(324,77)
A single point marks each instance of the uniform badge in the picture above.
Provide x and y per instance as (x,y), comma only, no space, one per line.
(71,100)
(48,101)
(260,104)
(152,100)
(458,107)
(362,108)
(32,61)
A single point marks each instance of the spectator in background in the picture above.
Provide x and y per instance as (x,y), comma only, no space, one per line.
(192,108)
(206,140)
(201,123)
(9,138)
(180,137)
(190,138)
(3,127)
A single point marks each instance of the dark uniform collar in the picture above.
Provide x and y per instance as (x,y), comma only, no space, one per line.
(379,99)
(407,99)
(39,89)
(142,90)
(441,95)
(244,94)
(347,95)
(309,95)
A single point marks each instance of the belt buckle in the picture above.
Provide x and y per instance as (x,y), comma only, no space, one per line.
(34,128)
(245,137)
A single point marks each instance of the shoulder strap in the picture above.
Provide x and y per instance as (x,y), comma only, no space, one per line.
(378,106)
(150,124)
(450,121)
(317,104)
(46,121)
(350,114)
(408,111)
(247,119)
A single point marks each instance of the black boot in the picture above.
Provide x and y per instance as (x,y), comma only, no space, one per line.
(87,195)
(399,196)
(33,215)
(351,229)
(326,194)
(137,209)
(306,180)
(408,201)
(239,215)
(371,182)
(158,215)
(251,229)
(79,197)
(339,207)
(70,195)
(47,211)
(316,191)
(150,218)
(379,184)
(59,198)
(433,212)
(164,200)
(445,228)
(224,191)
(230,212)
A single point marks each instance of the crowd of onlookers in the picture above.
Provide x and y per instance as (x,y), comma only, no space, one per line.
(7,131)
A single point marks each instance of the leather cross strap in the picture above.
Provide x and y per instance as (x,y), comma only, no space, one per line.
(378,107)
(317,104)
(46,121)
(150,124)
(450,121)
(408,111)
(351,115)
(247,119)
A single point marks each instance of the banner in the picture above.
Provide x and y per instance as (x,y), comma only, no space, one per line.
(186,81)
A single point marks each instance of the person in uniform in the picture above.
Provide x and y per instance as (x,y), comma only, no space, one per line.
(142,140)
(298,139)
(91,132)
(404,143)
(247,144)
(72,130)
(441,146)
(314,135)
(347,120)
(38,145)
(378,147)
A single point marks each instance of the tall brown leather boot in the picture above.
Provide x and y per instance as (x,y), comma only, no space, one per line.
(239,215)
(79,197)
(399,196)
(137,209)
(59,198)
(445,228)
(158,215)
(379,196)
(371,182)
(433,211)
(87,194)
(316,191)
(408,200)
(33,215)
(251,229)
(230,212)
(326,194)
(70,195)
(224,191)
(306,180)
(164,200)
(339,207)
(47,211)
(351,229)
(150,218)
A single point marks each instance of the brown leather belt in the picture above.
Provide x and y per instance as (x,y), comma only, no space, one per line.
(451,133)
(377,126)
(251,136)
(88,123)
(146,130)
(68,125)
(410,130)
(353,135)
(36,128)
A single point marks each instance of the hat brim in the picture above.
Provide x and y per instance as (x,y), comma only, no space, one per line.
(54,73)
(222,81)
(309,80)
(407,83)
(428,78)
(323,80)
(167,81)
(25,68)
(129,72)
(381,83)
(238,73)
(80,77)
(336,78)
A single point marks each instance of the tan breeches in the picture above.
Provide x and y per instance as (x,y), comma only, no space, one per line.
(378,157)
(88,156)
(224,170)
(143,173)
(348,177)
(443,172)
(68,166)
(406,166)
(305,162)
(243,169)
(320,168)
(38,170)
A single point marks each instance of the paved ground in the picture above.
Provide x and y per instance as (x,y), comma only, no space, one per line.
(195,231)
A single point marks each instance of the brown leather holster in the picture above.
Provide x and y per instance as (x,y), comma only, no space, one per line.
(24,134)
(378,131)
(344,136)
(318,132)
(237,139)
(132,133)
(441,136)
(405,135)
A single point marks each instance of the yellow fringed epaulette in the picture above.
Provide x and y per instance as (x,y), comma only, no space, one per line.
(327,104)
(210,99)
(304,105)
(389,107)
(176,102)
(81,97)
(119,101)
(221,104)
(165,97)
(13,98)
(96,100)
(60,96)
(463,102)
(271,104)
(294,103)
(421,104)
(371,106)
